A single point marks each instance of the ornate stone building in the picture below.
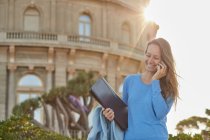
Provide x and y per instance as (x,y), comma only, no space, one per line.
(43,43)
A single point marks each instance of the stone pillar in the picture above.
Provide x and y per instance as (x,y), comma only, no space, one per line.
(71,72)
(50,69)
(71,59)
(4,82)
(49,86)
(11,89)
(11,15)
(118,73)
(111,71)
(104,20)
(11,86)
(53,16)
(104,64)
(60,19)
(60,67)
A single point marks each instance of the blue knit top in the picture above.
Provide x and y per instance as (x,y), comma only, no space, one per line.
(147,109)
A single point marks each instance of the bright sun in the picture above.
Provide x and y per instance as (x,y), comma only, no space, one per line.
(146,14)
(149,13)
(153,11)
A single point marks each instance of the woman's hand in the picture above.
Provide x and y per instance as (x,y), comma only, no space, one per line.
(161,71)
(108,113)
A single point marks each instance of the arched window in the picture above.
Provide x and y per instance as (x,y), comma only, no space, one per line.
(30,80)
(30,86)
(31,20)
(84,25)
(126,33)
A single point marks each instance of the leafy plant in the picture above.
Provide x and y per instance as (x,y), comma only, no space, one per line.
(21,128)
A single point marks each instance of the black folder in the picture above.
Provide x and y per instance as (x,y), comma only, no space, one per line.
(107,97)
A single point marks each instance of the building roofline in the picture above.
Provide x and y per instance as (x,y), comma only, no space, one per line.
(123,4)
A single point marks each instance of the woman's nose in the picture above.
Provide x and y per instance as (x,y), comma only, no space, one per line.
(150,60)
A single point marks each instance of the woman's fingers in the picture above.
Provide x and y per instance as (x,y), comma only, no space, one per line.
(163,70)
(108,113)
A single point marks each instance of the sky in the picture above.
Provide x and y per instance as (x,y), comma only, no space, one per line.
(186,25)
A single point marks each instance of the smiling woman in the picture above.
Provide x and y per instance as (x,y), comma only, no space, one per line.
(185,25)
(150,93)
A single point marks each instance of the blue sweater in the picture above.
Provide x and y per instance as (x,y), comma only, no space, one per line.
(147,109)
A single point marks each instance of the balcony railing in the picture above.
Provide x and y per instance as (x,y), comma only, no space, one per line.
(62,40)
(88,40)
(31,35)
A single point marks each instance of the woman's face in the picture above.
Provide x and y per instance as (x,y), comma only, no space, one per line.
(152,58)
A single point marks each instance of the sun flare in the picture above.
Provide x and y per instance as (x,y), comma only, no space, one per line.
(149,13)
(155,11)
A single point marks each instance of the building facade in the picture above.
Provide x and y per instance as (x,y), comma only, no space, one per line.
(43,43)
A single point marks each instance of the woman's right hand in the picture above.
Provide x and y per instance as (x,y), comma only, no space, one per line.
(161,71)
(108,113)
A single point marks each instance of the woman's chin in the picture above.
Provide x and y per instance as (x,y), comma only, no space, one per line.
(151,70)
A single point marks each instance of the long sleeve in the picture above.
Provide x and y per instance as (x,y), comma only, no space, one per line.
(160,105)
(147,109)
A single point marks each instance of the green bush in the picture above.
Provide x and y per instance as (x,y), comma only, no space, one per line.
(21,128)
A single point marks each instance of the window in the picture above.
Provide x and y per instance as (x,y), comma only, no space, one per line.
(126,33)
(84,25)
(30,86)
(31,20)
(30,80)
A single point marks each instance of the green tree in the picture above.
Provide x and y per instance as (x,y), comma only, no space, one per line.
(65,102)
(182,136)
(194,122)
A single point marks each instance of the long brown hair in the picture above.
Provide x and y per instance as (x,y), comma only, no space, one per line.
(168,83)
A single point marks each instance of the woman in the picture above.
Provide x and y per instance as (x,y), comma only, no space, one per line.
(150,95)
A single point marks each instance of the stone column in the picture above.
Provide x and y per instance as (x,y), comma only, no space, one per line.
(71,59)
(118,73)
(49,81)
(50,69)
(11,86)
(104,64)
(60,11)
(4,82)
(71,72)
(60,67)
(49,86)
(53,16)
(11,15)
(104,20)
(111,71)
(11,89)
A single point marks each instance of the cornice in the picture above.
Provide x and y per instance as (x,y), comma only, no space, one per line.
(123,4)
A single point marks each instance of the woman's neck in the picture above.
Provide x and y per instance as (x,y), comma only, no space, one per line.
(147,77)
